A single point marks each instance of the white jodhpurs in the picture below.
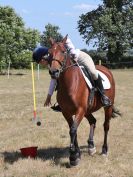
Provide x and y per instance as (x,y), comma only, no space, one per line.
(82,58)
(85,60)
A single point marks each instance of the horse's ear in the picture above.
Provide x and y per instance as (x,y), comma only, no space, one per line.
(65,38)
(51,40)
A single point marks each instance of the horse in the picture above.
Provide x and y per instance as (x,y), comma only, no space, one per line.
(72,97)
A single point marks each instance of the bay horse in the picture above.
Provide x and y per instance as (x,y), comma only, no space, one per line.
(72,96)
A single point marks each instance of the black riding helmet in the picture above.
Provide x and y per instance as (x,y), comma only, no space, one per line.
(38,53)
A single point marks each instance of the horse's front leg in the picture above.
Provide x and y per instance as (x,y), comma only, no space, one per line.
(91,146)
(74,148)
(108,113)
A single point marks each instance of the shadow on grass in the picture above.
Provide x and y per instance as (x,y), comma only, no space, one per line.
(51,153)
(54,154)
(11,74)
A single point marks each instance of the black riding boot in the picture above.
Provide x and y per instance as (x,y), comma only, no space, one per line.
(56,108)
(105,100)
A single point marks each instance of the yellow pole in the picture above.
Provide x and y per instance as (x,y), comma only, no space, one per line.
(33,89)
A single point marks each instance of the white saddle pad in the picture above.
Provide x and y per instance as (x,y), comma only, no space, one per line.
(105,80)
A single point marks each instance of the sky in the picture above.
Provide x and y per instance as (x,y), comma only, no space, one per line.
(37,14)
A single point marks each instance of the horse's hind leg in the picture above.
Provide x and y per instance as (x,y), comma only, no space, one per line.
(91,146)
(108,113)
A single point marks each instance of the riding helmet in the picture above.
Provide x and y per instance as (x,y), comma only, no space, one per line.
(38,53)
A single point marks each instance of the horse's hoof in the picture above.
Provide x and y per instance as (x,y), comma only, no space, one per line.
(104,154)
(92,151)
(74,162)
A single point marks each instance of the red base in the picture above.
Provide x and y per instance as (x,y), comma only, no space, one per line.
(29,151)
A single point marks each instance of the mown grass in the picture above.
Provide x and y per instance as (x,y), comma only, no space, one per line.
(52,138)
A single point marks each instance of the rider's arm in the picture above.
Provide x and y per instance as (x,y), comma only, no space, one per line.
(73,51)
(52,86)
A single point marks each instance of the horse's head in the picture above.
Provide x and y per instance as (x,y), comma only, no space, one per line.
(58,55)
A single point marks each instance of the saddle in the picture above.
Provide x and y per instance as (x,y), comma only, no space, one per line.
(91,83)
(92,88)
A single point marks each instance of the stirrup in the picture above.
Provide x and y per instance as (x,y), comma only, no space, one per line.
(56,108)
(106,101)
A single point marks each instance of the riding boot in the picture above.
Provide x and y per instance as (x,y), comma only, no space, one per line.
(105,100)
(56,108)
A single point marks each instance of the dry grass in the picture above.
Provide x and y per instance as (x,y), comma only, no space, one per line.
(52,137)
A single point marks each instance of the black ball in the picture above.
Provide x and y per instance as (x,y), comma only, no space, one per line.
(38,123)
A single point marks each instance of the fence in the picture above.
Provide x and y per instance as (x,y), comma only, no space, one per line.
(119,65)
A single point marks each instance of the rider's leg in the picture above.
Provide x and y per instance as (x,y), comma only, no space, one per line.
(86,60)
(105,100)
(56,108)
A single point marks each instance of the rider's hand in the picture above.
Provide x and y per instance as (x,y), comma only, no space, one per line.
(48,101)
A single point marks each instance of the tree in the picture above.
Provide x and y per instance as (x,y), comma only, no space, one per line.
(23,60)
(31,38)
(11,30)
(14,37)
(50,31)
(110,26)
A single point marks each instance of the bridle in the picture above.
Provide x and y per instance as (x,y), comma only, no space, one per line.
(62,64)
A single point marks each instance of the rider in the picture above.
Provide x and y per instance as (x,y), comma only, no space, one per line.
(41,56)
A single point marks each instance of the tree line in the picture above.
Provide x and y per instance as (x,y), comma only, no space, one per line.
(18,42)
(110,26)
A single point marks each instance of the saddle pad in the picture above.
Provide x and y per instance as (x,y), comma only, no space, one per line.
(105,80)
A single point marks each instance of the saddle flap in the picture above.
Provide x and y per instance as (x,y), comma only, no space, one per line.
(105,80)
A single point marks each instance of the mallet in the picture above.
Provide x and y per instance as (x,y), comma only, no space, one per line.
(35,118)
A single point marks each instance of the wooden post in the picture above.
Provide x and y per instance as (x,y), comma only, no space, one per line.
(38,72)
(100,62)
(9,68)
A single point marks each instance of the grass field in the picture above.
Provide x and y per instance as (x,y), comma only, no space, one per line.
(52,138)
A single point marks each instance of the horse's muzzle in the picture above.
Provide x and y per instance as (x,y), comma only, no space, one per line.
(54,73)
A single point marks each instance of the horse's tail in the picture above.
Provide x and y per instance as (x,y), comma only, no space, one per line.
(116,112)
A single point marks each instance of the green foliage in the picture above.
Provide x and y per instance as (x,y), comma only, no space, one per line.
(126,60)
(18,42)
(23,60)
(110,26)
(15,38)
(11,30)
(50,31)
(31,38)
